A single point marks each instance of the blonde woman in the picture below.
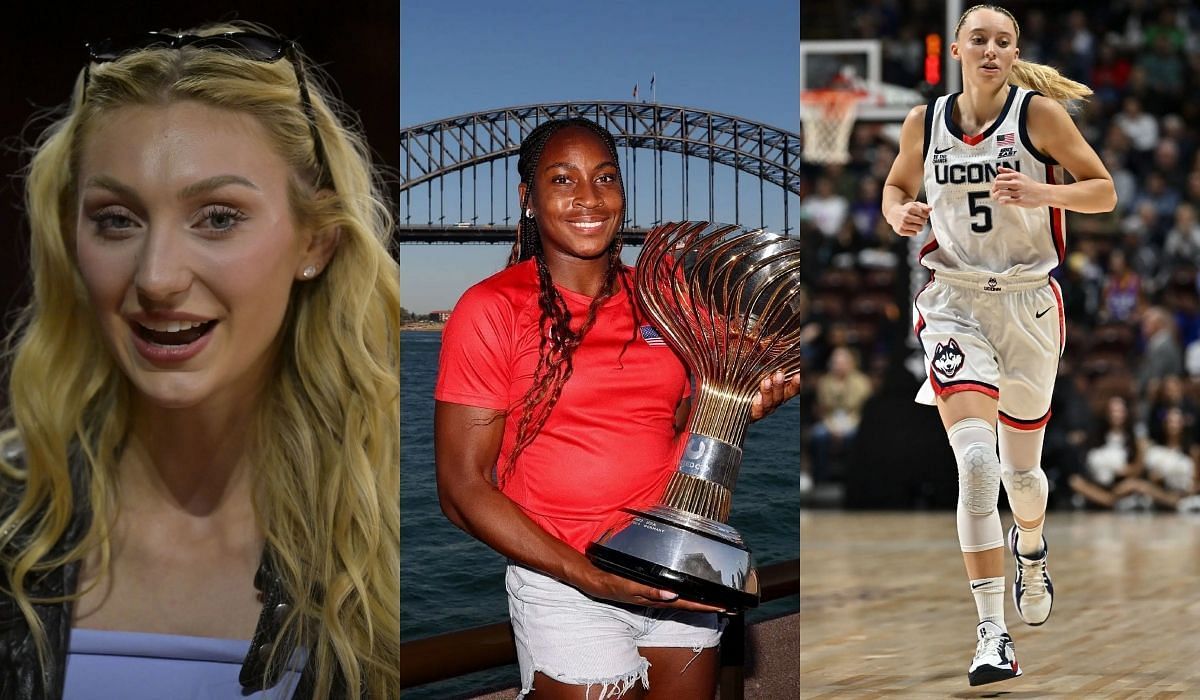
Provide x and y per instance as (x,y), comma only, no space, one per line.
(991,159)
(199,486)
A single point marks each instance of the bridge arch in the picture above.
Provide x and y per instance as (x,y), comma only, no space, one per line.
(438,148)
(434,151)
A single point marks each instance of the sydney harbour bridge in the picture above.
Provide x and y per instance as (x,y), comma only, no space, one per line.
(458,175)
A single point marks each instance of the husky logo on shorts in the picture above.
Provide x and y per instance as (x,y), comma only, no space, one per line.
(948,358)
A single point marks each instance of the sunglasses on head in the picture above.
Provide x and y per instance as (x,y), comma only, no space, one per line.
(248,45)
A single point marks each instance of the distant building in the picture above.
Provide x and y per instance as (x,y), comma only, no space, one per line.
(442,316)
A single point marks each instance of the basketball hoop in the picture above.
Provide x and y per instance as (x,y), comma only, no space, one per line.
(828,117)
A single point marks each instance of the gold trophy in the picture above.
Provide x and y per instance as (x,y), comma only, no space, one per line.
(728,301)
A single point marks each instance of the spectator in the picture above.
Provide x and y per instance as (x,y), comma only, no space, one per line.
(1081,46)
(1113,460)
(1172,395)
(825,208)
(1167,31)
(1163,68)
(1192,193)
(1160,193)
(841,250)
(1182,246)
(1167,162)
(1110,76)
(865,211)
(1162,356)
(1142,257)
(1079,280)
(883,249)
(1175,129)
(1141,128)
(841,393)
(1170,463)
(1122,289)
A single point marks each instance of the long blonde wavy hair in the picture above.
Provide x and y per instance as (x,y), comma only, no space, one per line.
(325,438)
(1034,76)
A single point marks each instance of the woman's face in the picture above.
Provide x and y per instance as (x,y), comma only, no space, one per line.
(987,47)
(1172,389)
(1116,412)
(186,244)
(1173,422)
(577,198)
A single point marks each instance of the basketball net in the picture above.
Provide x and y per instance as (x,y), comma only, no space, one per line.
(828,118)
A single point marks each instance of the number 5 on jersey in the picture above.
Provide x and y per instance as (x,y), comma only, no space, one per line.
(978,209)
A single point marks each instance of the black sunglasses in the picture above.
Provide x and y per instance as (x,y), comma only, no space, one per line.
(250,45)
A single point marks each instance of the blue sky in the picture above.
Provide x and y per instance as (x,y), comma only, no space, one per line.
(460,57)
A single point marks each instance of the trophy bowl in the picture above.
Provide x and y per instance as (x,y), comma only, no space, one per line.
(728,300)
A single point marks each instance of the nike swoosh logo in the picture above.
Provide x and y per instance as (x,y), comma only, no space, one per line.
(1043,312)
(939,151)
(979,585)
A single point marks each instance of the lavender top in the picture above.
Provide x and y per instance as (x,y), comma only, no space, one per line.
(103,664)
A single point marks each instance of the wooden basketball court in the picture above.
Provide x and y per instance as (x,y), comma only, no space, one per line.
(885,610)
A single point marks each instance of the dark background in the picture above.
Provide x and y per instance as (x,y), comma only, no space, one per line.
(357,43)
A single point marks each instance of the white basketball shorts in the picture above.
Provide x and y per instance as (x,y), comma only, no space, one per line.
(998,335)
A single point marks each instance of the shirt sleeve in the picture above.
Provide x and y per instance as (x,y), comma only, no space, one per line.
(475,366)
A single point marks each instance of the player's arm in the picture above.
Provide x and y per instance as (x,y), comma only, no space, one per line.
(901,210)
(466,447)
(1054,134)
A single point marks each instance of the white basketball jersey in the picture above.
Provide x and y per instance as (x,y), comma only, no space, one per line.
(971,232)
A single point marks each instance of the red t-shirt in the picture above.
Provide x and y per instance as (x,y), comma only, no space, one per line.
(610,440)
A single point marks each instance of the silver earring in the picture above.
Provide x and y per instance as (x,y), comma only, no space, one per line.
(528,213)
(309,272)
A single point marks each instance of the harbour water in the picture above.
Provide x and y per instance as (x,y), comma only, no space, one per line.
(450,581)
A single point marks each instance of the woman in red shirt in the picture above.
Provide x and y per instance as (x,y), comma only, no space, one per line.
(557,404)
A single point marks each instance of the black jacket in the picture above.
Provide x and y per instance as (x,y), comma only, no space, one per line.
(22,677)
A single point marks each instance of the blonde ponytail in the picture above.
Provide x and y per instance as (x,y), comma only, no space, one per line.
(1048,81)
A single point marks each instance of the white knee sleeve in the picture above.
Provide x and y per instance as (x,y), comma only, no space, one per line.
(1024,481)
(979,479)
(1026,492)
(979,533)
(973,441)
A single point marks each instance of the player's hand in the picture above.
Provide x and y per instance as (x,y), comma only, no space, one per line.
(773,391)
(1011,187)
(909,219)
(601,584)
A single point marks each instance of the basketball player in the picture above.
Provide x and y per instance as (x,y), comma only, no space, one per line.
(991,322)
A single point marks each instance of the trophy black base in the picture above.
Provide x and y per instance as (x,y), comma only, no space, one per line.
(701,560)
(687,586)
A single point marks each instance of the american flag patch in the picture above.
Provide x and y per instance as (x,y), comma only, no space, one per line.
(1009,139)
(652,337)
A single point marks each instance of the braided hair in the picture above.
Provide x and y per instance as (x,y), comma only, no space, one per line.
(558,341)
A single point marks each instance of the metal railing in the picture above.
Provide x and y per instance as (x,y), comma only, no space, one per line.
(454,654)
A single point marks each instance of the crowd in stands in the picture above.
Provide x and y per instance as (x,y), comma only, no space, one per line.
(1126,426)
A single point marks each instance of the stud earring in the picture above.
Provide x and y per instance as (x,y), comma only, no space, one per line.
(309,272)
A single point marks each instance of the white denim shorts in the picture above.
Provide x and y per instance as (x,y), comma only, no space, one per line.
(574,639)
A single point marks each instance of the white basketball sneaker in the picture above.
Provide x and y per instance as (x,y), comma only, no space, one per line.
(995,659)
(1033,592)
